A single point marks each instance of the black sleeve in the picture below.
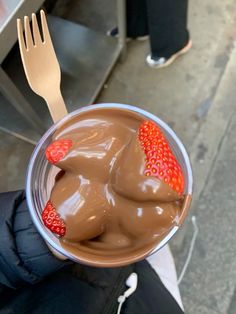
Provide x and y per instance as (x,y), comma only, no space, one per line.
(24,256)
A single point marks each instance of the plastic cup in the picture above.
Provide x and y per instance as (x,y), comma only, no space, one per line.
(41,175)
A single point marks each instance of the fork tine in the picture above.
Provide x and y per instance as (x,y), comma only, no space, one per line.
(36,33)
(46,34)
(21,39)
(28,35)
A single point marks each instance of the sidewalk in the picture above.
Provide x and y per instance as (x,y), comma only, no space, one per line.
(196,96)
(210,282)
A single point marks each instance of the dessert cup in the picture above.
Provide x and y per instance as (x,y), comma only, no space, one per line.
(41,177)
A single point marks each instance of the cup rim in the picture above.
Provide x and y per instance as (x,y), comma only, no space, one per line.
(51,130)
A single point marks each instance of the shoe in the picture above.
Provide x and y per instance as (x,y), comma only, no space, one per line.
(162,62)
(115,34)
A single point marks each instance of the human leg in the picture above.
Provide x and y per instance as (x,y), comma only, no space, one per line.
(167,20)
(137,23)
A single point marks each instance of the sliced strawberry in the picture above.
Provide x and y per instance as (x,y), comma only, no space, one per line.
(160,160)
(52,220)
(58,150)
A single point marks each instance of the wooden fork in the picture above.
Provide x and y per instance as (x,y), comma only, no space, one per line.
(40,64)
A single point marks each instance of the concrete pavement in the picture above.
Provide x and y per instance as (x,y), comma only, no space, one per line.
(196,96)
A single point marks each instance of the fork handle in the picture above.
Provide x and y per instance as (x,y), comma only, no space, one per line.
(56,105)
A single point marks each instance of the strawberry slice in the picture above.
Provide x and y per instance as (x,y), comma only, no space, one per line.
(52,220)
(160,160)
(57,150)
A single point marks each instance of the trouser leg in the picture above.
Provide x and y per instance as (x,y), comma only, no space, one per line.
(167,21)
(137,24)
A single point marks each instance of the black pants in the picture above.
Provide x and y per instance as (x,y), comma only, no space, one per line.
(164,20)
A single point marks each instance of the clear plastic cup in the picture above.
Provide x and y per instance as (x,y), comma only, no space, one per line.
(41,175)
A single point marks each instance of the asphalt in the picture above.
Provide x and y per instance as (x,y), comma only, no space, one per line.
(196,96)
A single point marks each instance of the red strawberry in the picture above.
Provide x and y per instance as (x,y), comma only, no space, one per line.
(160,160)
(52,220)
(58,150)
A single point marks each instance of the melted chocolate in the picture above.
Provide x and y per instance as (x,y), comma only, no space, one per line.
(111,209)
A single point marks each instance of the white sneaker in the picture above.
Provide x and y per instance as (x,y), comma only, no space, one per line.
(162,62)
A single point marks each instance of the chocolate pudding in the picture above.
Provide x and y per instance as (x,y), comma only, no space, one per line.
(111,209)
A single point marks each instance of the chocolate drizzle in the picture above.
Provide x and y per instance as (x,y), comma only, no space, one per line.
(112,211)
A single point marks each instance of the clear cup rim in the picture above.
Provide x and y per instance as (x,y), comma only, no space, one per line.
(53,128)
